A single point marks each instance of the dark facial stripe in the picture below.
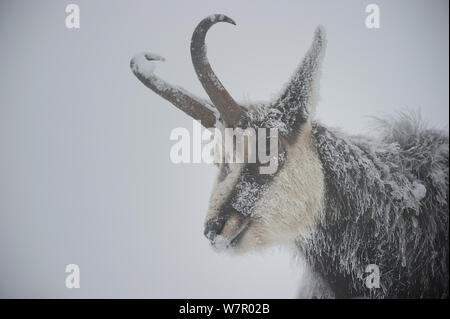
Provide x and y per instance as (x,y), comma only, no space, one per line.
(248,188)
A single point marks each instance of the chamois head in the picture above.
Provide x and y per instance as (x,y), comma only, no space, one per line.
(249,208)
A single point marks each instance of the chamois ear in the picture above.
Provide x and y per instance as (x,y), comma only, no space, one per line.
(297,102)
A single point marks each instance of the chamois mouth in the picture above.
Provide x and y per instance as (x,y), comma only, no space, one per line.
(235,241)
(229,238)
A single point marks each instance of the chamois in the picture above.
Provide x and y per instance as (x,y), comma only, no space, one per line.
(344,201)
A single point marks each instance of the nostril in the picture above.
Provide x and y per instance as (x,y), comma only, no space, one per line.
(213,227)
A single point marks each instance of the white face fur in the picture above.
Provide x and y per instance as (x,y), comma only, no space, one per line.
(285,212)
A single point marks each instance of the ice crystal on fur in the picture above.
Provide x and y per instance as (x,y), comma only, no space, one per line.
(386,204)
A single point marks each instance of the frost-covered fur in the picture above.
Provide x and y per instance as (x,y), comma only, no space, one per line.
(351,201)
(345,202)
(290,205)
(386,203)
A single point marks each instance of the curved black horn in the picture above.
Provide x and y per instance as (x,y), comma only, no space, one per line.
(229,110)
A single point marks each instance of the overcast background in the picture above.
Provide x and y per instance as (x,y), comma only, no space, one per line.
(85,175)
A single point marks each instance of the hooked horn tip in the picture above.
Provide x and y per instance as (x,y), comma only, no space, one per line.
(214,18)
(144,63)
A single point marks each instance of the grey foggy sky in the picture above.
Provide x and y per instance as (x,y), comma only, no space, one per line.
(85,175)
